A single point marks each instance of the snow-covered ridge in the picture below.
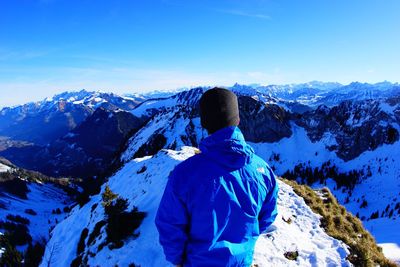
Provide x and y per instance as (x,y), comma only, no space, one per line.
(311,93)
(90,99)
(317,93)
(142,182)
(157,93)
(45,121)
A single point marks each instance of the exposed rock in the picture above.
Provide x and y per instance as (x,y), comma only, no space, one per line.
(357,126)
(263,122)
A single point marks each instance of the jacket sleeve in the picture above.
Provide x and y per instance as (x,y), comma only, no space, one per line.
(269,209)
(172,223)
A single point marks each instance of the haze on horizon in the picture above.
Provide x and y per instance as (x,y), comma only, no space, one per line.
(50,46)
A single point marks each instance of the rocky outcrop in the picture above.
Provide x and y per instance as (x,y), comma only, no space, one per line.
(261,122)
(357,126)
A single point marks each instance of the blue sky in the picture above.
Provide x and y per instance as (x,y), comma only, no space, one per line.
(48,46)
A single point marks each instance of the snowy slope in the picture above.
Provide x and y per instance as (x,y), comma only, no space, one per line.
(33,197)
(4,168)
(304,235)
(41,198)
(144,190)
(144,109)
(174,125)
(185,98)
(379,190)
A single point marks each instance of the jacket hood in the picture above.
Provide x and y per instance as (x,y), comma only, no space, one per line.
(227,147)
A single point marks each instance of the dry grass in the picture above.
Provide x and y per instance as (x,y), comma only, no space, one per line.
(342,225)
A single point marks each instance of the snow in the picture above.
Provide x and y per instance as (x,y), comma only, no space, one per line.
(4,168)
(158,93)
(144,133)
(132,97)
(387,233)
(43,199)
(78,102)
(315,93)
(303,234)
(70,135)
(143,108)
(296,149)
(300,149)
(145,189)
(2,250)
(379,190)
(357,122)
(171,124)
(392,251)
(388,108)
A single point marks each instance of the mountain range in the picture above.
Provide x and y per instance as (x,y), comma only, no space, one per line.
(344,137)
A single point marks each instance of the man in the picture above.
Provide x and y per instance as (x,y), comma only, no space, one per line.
(217,203)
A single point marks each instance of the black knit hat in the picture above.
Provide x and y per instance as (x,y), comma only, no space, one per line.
(218,109)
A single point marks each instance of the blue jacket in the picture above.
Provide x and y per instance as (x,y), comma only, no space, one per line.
(217,203)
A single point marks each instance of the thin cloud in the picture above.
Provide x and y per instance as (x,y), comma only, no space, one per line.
(245,14)
(23,55)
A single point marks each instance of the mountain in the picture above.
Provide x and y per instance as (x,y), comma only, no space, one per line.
(355,126)
(359,91)
(156,93)
(176,122)
(358,126)
(47,120)
(87,150)
(31,204)
(349,147)
(142,182)
(314,94)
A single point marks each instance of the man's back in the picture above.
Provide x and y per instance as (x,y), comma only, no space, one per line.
(216,204)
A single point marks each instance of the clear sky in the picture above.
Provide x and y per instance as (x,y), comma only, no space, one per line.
(48,46)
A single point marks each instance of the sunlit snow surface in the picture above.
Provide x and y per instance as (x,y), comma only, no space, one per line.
(144,190)
(41,198)
(4,168)
(379,190)
(387,234)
